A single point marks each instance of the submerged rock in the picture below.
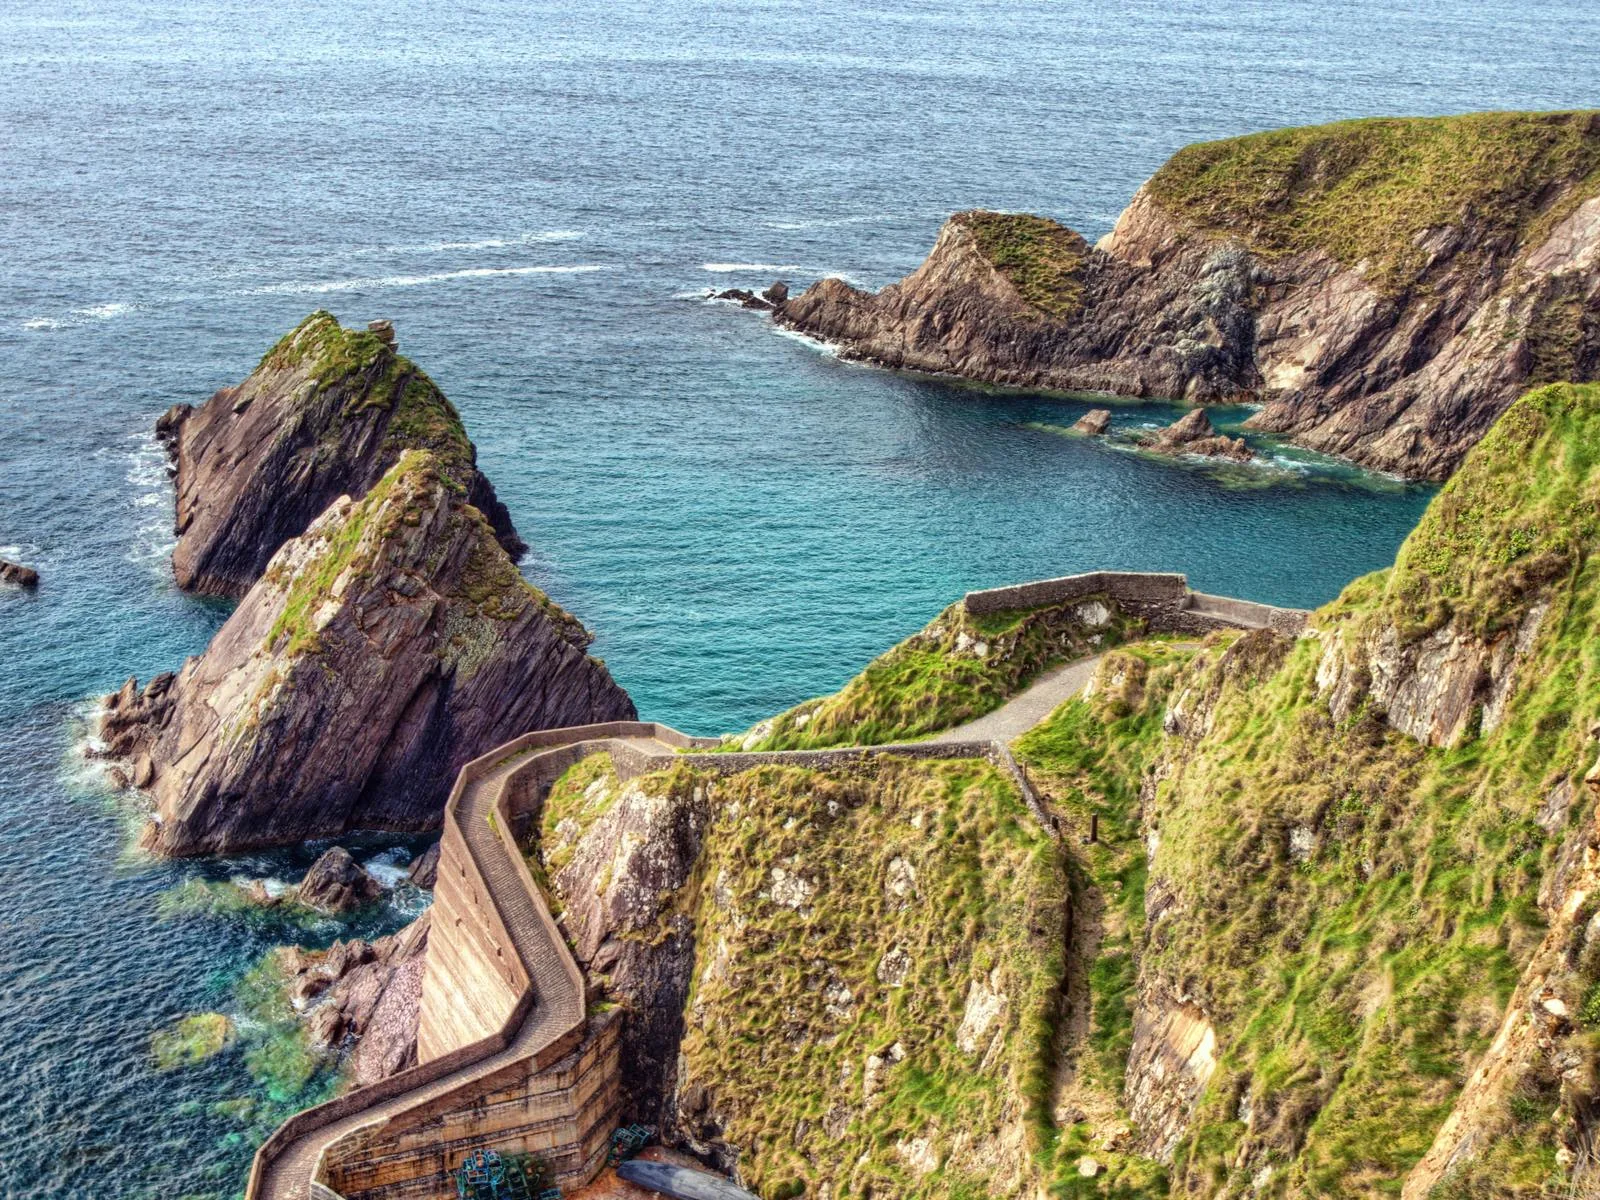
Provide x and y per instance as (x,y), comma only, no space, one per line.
(18,575)
(190,1040)
(1319,272)
(386,647)
(337,883)
(327,413)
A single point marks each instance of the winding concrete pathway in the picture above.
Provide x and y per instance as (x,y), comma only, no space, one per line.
(1030,706)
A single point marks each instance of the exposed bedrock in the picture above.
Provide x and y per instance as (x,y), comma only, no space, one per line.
(326,413)
(379,652)
(1383,288)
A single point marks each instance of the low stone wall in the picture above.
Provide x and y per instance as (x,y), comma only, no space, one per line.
(1163,601)
(563,1112)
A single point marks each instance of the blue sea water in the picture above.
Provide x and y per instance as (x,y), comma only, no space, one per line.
(538,194)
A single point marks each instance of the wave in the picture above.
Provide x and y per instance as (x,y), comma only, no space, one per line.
(498,243)
(726,268)
(79,316)
(377,282)
(826,349)
(834,222)
(153,540)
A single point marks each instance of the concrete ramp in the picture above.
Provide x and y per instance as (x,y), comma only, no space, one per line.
(681,1182)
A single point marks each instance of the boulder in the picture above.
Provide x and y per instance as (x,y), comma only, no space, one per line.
(1094,422)
(1194,434)
(776,294)
(18,575)
(745,298)
(336,883)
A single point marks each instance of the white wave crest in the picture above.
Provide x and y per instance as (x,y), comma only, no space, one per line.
(494,243)
(102,312)
(79,316)
(832,222)
(378,282)
(729,268)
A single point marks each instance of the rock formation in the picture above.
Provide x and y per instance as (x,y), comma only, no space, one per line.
(766,301)
(1385,288)
(326,413)
(18,575)
(337,883)
(363,999)
(1193,434)
(1094,422)
(385,647)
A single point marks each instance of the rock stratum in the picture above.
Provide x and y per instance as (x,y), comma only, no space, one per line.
(325,414)
(1383,288)
(386,646)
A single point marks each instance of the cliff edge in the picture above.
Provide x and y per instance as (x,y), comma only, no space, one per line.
(326,413)
(1384,288)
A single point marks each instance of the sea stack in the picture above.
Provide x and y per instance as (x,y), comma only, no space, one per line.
(1193,434)
(326,413)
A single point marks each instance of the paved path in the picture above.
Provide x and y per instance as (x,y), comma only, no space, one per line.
(556,1005)
(1026,709)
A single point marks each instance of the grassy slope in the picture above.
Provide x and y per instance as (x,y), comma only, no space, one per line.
(958,668)
(1364,190)
(1040,257)
(1354,986)
(986,904)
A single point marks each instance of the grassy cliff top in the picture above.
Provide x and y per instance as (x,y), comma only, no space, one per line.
(1040,257)
(1519,513)
(368,373)
(1365,190)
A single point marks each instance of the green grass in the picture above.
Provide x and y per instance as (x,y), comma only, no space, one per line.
(1364,191)
(1041,258)
(957,669)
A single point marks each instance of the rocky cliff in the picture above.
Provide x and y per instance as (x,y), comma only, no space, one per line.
(326,413)
(386,646)
(1354,871)
(1383,288)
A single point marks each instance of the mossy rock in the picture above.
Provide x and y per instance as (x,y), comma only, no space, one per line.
(190,1040)
(1040,257)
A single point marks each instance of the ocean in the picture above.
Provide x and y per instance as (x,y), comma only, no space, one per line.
(540,195)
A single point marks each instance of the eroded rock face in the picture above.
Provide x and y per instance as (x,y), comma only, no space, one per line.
(381,651)
(363,999)
(616,892)
(326,413)
(1401,376)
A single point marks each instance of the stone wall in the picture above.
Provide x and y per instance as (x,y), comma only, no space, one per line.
(1164,601)
(564,1112)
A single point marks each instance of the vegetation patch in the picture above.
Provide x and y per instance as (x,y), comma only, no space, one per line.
(957,669)
(1370,190)
(1042,259)
(903,930)
(582,795)
(278,1053)
(190,1040)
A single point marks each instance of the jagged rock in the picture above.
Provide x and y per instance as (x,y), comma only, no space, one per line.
(744,297)
(18,575)
(1194,434)
(326,413)
(390,644)
(424,869)
(336,883)
(1094,422)
(777,294)
(364,998)
(1400,365)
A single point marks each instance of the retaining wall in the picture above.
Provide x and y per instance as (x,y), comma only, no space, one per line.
(1164,601)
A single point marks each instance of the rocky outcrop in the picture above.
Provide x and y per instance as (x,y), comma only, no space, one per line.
(362,1000)
(765,301)
(1383,288)
(326,413)
(18,575)
(1193,434)
(337,883)
(1094,422)
(388,645)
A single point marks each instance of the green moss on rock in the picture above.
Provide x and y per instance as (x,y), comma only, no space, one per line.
(1368,190)
(1040,257)
(190,1040)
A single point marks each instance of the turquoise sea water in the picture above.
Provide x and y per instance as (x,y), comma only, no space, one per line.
(537,194)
